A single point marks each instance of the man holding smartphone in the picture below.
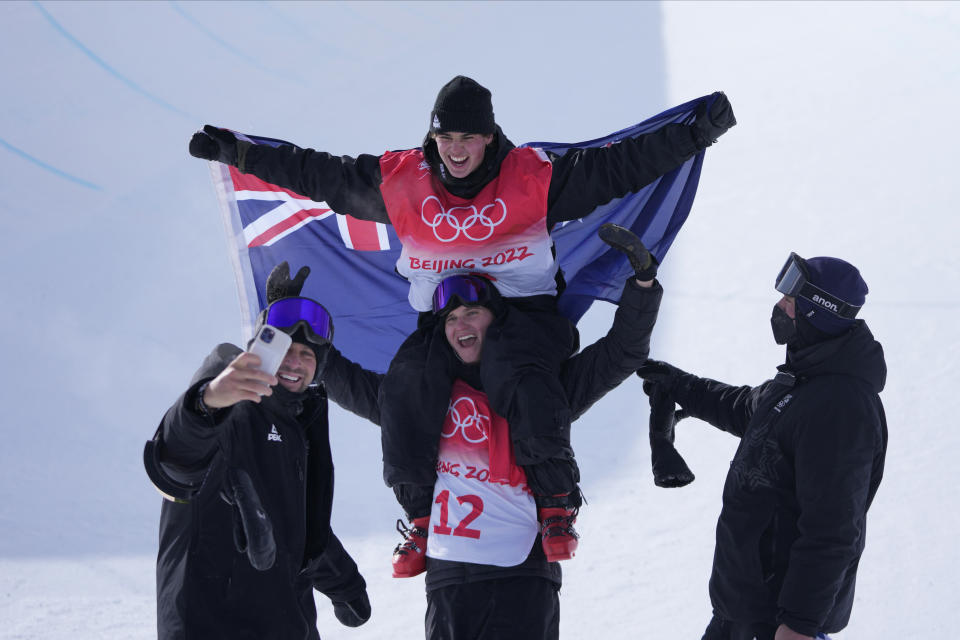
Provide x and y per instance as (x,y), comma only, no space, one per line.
(243,458)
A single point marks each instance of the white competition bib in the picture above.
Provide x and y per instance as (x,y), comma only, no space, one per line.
(475,519)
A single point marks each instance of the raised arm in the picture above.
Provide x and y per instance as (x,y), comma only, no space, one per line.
(603,365)
(351,386)
(584,179)
(188,435)
(348,185)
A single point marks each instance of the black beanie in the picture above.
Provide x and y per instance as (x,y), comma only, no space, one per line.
(463,105)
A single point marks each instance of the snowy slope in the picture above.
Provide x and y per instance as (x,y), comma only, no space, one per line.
(110,239)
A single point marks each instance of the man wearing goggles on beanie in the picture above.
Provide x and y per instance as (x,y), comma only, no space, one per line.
(475,523)
(464,198)
(243,458)
(812,446)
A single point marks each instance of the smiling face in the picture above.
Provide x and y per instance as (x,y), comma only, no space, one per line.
(465,328)
(298,368)
(461,153)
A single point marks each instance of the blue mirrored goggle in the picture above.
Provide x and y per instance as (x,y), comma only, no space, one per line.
(288,313)
(792,281)
(463,290)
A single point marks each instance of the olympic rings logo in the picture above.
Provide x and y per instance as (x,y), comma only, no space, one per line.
(463,416)
(447,227)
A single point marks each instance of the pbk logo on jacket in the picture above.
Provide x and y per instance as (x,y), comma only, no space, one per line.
(274,435)
(463,416)
(448,224)
(784,401)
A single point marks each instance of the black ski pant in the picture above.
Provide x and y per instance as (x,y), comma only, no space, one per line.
(524,350)
(517,608)
(720,629)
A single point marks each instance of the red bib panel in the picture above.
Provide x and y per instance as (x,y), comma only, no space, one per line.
(501,232)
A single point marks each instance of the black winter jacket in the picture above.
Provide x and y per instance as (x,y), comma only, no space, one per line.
(810,460)
(582,179)
(585,377)
(206,586)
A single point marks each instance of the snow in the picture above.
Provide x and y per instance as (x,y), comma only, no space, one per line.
(109,232)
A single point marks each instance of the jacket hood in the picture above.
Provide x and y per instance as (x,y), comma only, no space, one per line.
(471,185)
(855,353)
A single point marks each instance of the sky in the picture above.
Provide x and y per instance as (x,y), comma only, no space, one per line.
(844,147)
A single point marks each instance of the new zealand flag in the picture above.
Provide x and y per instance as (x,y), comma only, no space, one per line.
(352,261)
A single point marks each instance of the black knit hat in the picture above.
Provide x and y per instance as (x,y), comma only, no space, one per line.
(463,105)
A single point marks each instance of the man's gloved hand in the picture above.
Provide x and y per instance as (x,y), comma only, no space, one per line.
(712,122)
(626,241)
(663,374)
(669,467)
(335,574)
(279,284)
(353,613)
(214,144)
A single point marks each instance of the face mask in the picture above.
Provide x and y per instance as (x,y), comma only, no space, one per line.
(784,327)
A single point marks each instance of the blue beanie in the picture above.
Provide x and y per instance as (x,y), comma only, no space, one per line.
(838,278)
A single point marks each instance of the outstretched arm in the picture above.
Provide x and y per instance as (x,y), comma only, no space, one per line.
(348,185)
(584,179)
(724,406)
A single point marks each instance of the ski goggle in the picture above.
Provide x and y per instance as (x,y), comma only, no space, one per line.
(462,290)
(289,314)
(793,281)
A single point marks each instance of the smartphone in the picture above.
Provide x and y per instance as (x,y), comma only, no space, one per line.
(271,345)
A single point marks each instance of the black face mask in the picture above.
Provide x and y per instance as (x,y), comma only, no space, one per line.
(784,327)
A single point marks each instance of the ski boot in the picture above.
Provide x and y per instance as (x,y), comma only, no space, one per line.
(410,556)
(557,532)
(626,241)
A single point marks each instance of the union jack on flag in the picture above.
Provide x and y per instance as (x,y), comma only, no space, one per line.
(353,262)
(290,211)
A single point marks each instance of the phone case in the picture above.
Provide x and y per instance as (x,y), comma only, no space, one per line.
(271,345)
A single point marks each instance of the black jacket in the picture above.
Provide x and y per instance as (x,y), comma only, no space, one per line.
(810,460)
(585,377)
(206,586)
(582,179)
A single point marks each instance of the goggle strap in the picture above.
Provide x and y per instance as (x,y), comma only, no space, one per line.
(827,301)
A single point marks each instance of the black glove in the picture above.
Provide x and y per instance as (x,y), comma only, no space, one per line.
(626,241)
(713,123)
(214,144)
(669,467)
(335,574)
(664,375)
(279,284)
(256,533)
(353,613)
